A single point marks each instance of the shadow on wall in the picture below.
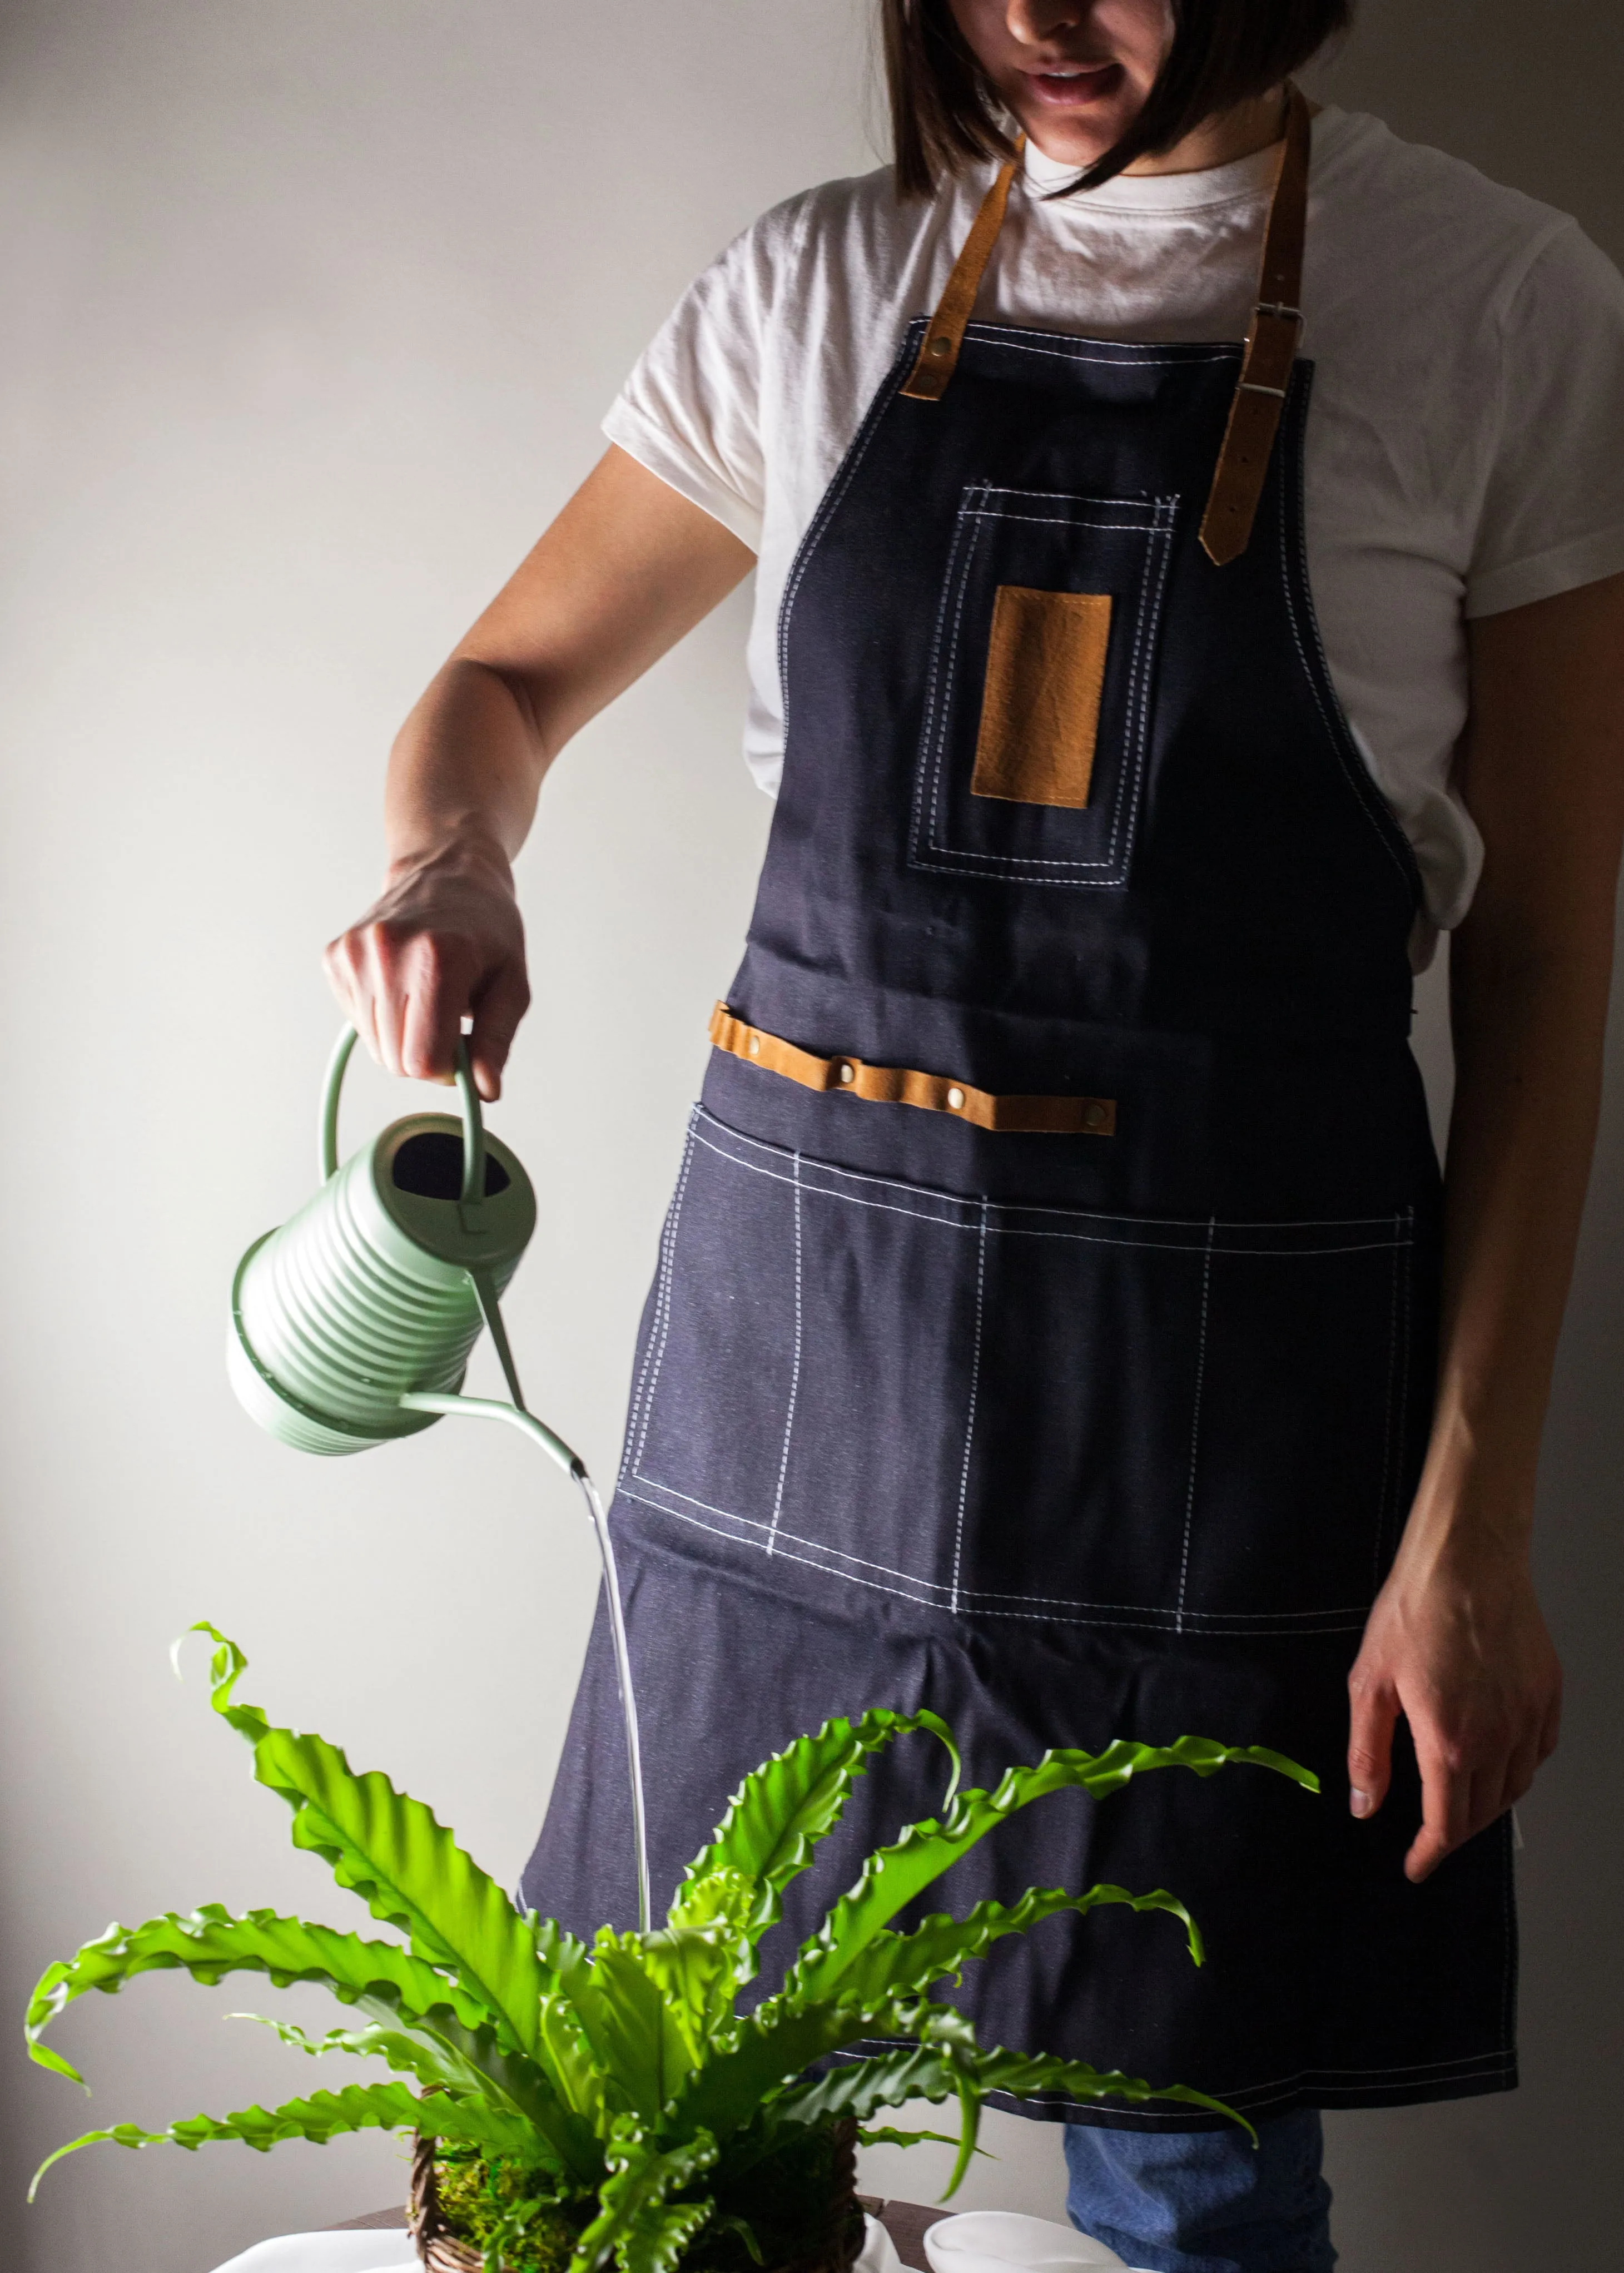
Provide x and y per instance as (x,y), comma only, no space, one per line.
(1498,2184)
(1530,99)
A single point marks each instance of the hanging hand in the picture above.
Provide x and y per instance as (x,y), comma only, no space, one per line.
(1458,1644)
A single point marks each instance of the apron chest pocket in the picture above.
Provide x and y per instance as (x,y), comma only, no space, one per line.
(1038,717)
(1032,1413)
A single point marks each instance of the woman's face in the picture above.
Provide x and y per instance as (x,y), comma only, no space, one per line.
(1074,72)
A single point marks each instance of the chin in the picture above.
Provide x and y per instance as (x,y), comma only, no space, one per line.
(1069,142)
(1075,138)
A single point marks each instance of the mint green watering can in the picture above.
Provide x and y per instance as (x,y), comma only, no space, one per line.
(352,1324)
(379,1286)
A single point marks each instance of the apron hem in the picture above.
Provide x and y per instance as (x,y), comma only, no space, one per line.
(1333,2089)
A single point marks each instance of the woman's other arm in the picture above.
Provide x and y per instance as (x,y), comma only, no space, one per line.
(627,569)
(1455,1641)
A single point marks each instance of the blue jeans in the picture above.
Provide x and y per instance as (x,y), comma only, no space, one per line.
(1205,2202)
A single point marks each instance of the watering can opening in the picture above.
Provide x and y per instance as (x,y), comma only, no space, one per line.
(430,1166)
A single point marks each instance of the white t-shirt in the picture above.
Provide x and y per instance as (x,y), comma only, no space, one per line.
(1465,449)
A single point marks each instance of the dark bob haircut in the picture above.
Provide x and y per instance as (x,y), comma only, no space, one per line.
(945,113)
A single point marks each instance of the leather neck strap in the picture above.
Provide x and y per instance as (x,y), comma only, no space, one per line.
(944,334)
(1265,365)
(1270,353)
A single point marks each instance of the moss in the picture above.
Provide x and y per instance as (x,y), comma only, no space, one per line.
(503,2208)
(783,2200)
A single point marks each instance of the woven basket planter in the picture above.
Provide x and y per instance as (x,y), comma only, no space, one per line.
(832,2248)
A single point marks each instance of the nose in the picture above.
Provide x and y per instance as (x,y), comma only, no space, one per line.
(1033,22)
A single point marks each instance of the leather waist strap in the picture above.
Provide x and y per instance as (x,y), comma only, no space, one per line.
(1053,1116)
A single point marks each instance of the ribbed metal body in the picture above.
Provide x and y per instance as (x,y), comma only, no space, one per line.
(365,1294)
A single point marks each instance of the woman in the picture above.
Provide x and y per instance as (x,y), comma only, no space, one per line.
(1060,1320)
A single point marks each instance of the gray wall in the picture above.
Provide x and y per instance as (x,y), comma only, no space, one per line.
(311,311)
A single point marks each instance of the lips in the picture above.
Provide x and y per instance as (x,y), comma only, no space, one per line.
(1072,87)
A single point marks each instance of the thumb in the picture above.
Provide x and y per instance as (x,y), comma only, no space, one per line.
(503,1003)
(1372,1717)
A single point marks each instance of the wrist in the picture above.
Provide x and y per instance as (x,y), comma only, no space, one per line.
(1478,1483)
(1467,1530)
(467,852)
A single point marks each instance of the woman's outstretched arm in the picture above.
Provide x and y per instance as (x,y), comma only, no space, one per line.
(627,569)
(1455,1641)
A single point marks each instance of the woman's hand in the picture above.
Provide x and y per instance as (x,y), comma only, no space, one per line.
(444,937)
(628,566)
(1457,1643)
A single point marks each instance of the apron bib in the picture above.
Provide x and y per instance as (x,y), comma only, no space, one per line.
(1045,1326)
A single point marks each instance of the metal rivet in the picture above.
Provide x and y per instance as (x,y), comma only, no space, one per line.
(941,347)
(955,1098)
(1093,1116)
(848,1073)
(755,1045)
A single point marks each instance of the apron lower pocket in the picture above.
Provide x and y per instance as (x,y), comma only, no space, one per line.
(1033,1413)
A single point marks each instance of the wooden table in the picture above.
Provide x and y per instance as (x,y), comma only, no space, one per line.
(904,2222)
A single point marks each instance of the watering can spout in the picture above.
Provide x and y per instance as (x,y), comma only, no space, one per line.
(379,1286)
(352,1324)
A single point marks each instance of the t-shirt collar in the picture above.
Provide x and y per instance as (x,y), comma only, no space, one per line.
(1212,185)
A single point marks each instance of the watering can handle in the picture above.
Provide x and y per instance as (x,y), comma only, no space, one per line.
(472,1126)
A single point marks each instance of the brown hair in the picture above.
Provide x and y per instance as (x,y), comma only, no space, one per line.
(945,114)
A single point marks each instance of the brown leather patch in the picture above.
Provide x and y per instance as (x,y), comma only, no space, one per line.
(1040,707)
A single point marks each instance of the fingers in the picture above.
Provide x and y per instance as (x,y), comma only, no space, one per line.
(408,991)
(358,966)
(1447,1812)
(433,980)
(1466,1786)
(1372,1717)
(445,941)
(501,1005)
(339,964)
(1519,1774)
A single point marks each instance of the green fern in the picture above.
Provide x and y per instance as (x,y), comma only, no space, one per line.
(612,2103)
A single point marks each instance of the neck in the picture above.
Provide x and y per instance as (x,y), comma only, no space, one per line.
(1217,141)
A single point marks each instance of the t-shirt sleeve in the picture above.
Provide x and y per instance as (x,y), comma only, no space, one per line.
(691,410)
(1554,507)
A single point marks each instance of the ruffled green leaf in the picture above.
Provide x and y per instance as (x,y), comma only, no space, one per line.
(632,2028)
(783,1809)
(894,1876)
(323,2116)
(900,1965)
(1024,2076)
(586,2088)
(724,2095)
(887,2136)
(634,2221)
(392,1851)
(432,2061)
(694,1970)
(210,1943)
(762,2069)
(861,2088)
(597,2039)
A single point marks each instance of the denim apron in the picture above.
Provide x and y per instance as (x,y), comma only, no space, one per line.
(1045,1326)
